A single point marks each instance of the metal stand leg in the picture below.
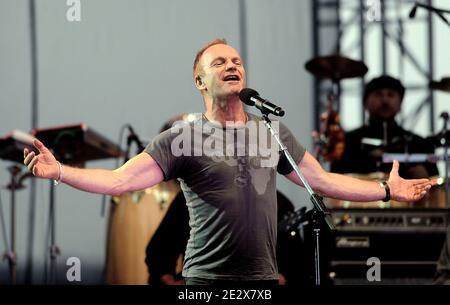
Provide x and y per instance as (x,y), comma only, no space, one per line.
(54,250)
(317,256)
(11,255)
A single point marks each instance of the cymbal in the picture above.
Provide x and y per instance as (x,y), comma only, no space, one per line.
(442,85)
(335,67)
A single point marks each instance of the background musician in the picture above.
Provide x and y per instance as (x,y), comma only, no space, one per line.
(383,98)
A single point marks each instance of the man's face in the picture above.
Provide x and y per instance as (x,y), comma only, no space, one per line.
(221,72)
(383,104)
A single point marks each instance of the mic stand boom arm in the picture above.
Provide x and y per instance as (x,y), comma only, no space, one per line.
(132,137)
(437,11)
(320,211)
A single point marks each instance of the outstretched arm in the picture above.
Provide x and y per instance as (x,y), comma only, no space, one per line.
(138,173)
(348,188)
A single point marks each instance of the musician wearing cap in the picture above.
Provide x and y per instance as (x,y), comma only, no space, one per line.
(227,175)
(365,146)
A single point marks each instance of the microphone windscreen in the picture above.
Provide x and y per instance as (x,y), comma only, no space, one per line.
(246,94)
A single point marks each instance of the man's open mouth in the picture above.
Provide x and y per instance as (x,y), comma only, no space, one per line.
(231,78)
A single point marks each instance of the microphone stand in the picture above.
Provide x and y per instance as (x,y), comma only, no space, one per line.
(127,152)
(437,11)
(132,137)
(319,213)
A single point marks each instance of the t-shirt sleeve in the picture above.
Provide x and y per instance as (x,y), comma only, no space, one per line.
(296,150)
(160,149)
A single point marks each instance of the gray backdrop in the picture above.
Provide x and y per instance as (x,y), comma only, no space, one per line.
(131,62)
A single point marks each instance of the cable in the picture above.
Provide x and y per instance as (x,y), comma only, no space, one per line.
(121,134)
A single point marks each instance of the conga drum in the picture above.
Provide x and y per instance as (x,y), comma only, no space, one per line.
(435,198)
(133,220)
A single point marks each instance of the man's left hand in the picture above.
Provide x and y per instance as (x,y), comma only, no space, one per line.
(407,190)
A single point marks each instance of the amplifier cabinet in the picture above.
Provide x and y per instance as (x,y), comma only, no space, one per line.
(407,243)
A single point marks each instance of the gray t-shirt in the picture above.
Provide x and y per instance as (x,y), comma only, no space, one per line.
(228,176)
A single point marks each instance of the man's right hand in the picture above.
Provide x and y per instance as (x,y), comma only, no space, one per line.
(43,165)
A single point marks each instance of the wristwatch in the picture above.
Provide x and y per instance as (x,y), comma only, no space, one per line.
(385,185)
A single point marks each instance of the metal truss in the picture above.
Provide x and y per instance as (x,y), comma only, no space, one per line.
(347,27)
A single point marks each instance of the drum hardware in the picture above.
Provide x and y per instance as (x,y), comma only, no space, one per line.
(161,195)
(442,139)
(136,197)
(329,141)
(445,144)
(442,85)
(11,149)
(73,145)
(411,158)
(292,220)
(372,142)
(16,183)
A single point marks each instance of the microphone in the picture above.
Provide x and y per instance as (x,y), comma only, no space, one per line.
(133,137)
(251,97)
(432,9)
(412,13)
